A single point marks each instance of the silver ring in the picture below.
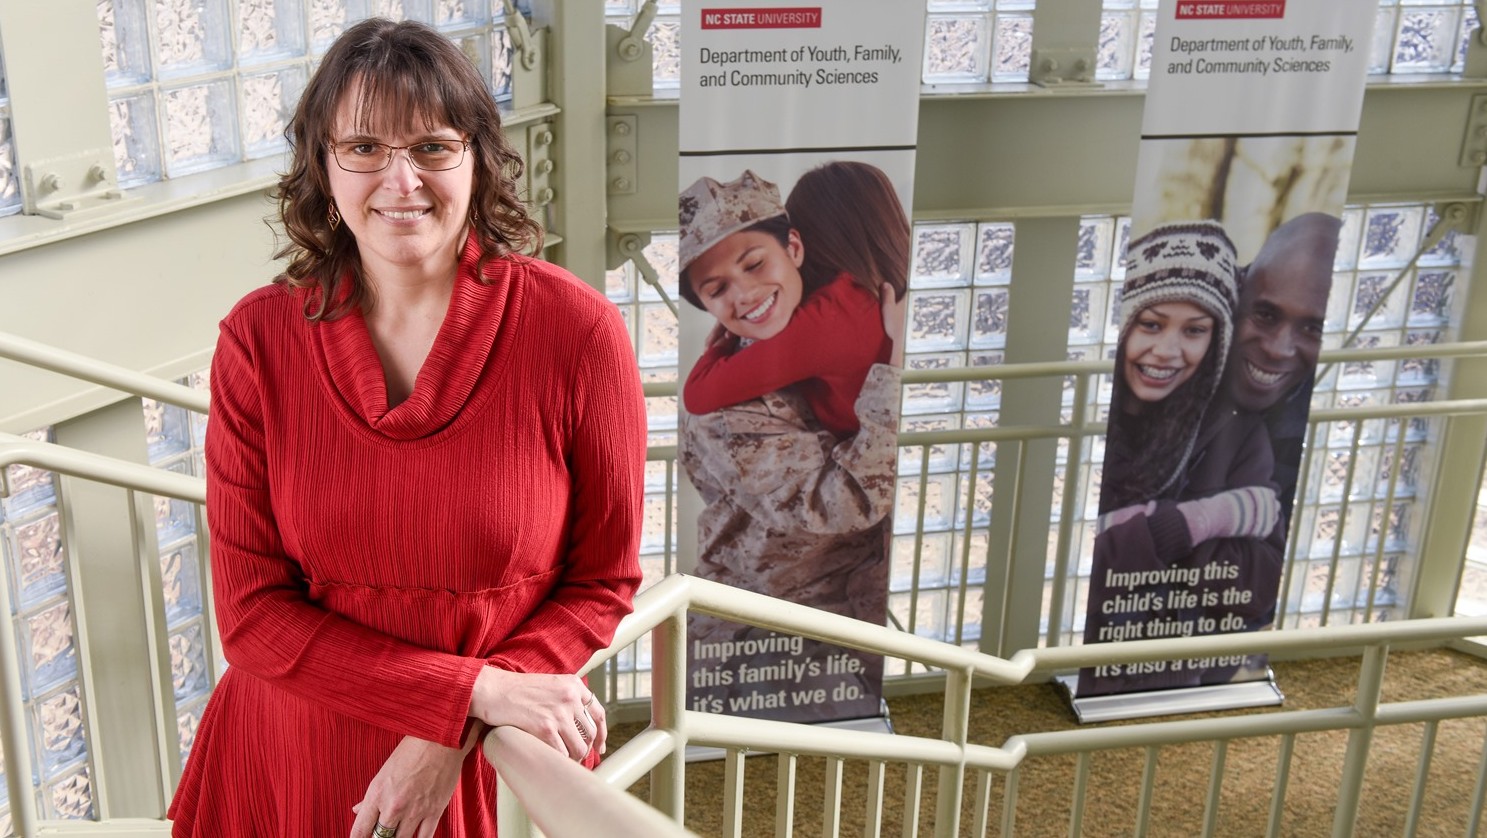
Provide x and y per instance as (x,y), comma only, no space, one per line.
(589,700)
(383,831)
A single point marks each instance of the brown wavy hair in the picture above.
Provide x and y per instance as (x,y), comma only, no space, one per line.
(850,219)
(400,71)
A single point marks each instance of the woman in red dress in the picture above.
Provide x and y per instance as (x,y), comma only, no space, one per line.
(424,472)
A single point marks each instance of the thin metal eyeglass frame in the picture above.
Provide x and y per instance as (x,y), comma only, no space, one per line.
(391,149)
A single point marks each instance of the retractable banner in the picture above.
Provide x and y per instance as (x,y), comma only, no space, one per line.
(1247,142)
(797,131)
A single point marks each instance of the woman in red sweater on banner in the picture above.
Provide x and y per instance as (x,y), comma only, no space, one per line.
(790,508)
(851,240)
(424,472)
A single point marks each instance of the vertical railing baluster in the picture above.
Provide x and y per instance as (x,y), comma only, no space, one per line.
(1148,785)
(831,811)
(1343,510)
(1396,465)
(1081,788)
(1293,541)
(1355,760)
(913,798)
(784,804)
(1215,787)
(918,547)
(873,816)
(1422,774)
(157,640)
(668,545)
(668,710)
(982,822)
(1073,465)
(1014,535)
(1479,794)
(1009,803)
(965,543)
(733,792)
(1282,778)
(955,727)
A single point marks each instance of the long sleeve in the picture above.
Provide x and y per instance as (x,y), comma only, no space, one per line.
(607,461)
(788,477)
(831,337)
(1237,455)
(269,626)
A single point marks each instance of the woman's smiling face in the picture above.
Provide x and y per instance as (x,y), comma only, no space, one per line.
(1166,344)
(403,217)
(750,282)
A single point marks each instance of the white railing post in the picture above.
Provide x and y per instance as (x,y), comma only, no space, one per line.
(957,729)
(1370,685)
(668,710)
(512,818)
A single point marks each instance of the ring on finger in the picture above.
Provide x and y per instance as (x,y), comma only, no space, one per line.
(583,732)
(382,830)
(589,700)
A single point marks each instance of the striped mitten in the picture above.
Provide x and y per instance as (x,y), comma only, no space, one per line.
(1252,511)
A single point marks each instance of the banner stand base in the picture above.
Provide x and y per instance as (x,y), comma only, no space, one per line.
(1139,705)
(871,724)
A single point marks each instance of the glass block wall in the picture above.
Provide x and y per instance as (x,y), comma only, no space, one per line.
(42,609)
(1124,47)
(175,437)
(200,84)
(978,41)
(1421,36)
(10,177)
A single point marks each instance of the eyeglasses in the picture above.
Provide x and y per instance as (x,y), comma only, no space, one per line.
(364,157)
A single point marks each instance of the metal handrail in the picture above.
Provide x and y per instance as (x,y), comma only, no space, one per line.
(561,798)
(113,376)
(681,593)
(663,609)
(19,450)
(1052,369)
(85,368)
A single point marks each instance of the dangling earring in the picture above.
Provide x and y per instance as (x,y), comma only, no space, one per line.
(474,216)
(334,217)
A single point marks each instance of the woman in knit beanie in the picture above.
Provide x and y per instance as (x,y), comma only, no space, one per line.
(1186,474)
(1177,320)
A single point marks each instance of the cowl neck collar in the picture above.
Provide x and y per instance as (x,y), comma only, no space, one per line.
(461,352)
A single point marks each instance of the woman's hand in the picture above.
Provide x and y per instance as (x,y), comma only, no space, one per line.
(411,790)
(894,309)
(557,709)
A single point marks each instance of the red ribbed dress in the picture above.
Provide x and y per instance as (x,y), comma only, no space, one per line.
(367,562)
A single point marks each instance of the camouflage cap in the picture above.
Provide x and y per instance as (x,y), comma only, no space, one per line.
(709,211)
